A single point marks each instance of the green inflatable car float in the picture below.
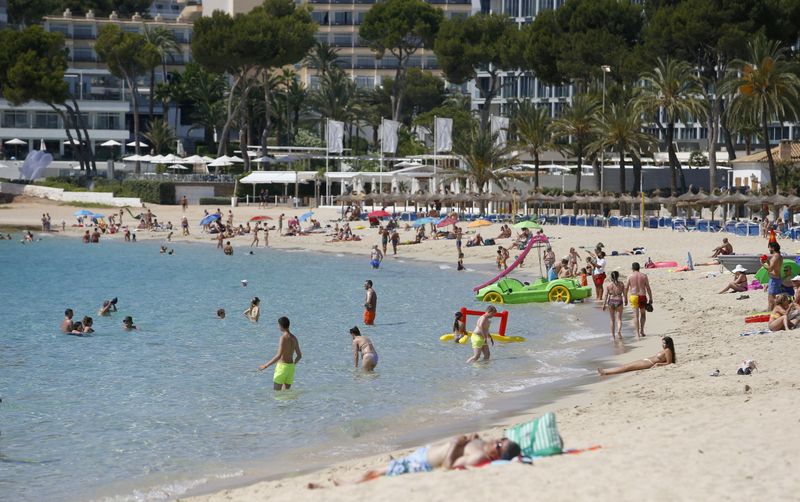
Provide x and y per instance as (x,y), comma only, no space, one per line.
(510,290)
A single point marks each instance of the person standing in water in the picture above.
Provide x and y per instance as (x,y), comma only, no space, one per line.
(376,257)
(253,311)
(370,304)
(288,347)
(66,324)
(363,345)
(481,335)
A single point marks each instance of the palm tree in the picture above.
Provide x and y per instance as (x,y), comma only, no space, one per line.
(336,98)
(531,126)
(621,128)
(160,135)
(322,57)
(165,42)
(576,125)
(767,88)
(481,159)
(674,89)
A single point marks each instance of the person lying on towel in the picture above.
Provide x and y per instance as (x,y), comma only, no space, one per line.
(460,452)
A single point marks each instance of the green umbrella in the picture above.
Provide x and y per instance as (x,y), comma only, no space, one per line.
(527,224)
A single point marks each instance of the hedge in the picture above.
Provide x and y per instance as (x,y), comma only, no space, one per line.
(154,192)
(215,201)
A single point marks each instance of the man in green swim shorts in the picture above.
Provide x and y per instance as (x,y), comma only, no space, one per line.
(481,335)
(288,346)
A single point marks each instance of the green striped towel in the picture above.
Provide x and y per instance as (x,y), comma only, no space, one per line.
(537,438)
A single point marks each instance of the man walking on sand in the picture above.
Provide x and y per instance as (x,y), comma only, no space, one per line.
(481,335)
(288,346)
(370,304)
(639,295)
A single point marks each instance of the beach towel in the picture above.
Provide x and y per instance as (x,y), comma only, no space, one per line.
(755,332)
(539,437)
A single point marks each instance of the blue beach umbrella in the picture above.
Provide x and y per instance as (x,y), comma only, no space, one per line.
(422,221)
(304,217)
(208,219)
(98,216)
(83,212)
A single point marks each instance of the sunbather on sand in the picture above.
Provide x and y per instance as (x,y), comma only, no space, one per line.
(725,249)
(460,452)
(663,358)
(739,282)
(783,315)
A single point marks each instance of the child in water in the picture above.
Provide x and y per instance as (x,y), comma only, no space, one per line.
(584,279)
(459,327)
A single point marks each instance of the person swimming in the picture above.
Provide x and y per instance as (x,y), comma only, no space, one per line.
(220,313)
(253,311)
(459,327)
(127,324)
(108,307)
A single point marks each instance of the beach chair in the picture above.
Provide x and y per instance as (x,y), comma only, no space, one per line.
(753,229)
(580,221)
(653,222)
(730,226)
(613,221)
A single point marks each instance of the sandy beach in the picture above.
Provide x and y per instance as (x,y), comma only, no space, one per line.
(666,433)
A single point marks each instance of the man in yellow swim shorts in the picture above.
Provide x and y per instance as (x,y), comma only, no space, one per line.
(481,334)
(288,346)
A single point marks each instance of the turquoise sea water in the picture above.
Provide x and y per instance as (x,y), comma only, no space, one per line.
(179,404)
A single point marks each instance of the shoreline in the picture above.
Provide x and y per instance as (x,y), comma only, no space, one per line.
(722,437)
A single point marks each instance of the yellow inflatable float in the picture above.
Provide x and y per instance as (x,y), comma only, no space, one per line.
(448,337)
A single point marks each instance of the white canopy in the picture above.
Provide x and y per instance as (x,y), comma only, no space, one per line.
(222,161)
(133,143)
(16,141)
(194,159)
(171,158)
(263,177)
(110,142)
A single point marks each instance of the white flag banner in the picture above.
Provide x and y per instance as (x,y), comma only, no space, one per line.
(335,136)
(443,142)
(500,130)
(389,130)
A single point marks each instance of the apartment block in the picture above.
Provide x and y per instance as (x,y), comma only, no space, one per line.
(104,100)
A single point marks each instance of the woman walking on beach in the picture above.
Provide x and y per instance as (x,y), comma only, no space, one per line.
(614,300)
(663,358)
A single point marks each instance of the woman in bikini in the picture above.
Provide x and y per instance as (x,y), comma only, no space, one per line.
(615,299)
(363,345)
(739,283)
(783,313)
(663,358)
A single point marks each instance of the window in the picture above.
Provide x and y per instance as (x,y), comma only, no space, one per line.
(321,18)
(527,8)
(508,87)
(431,63)
(104,120)
(342,39)
(341,18)
(59,28)
(511,7)
(84,32)
(82,54)
(365,82)
(46,120)
(15,119)
(415,62)
(321,37)
(359,17)
(365,62)
(527,88)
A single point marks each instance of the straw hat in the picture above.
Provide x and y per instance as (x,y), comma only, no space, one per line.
(740,268)
(796,278)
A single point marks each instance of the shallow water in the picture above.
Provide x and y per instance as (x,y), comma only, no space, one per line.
(179,403)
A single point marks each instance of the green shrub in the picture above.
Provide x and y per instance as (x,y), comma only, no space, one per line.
(154,192)
(215,201)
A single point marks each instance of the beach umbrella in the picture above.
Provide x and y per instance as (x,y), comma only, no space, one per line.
(447,220)
(96,216)
(172,158)
(157,159)
(132,158)
(378,214)
(422,221)
(527,224)
(16,141)
(133,143)
(222,161)
(777,200)
(209,219)
(83,212)
(111,142)
(235,159)
(178,167)
(260,218)
(479,223)
(194,159)
(303,217)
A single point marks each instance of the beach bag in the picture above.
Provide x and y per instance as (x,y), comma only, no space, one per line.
(539,437)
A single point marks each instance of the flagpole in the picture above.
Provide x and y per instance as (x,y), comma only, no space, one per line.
(380,178)
(327,149)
